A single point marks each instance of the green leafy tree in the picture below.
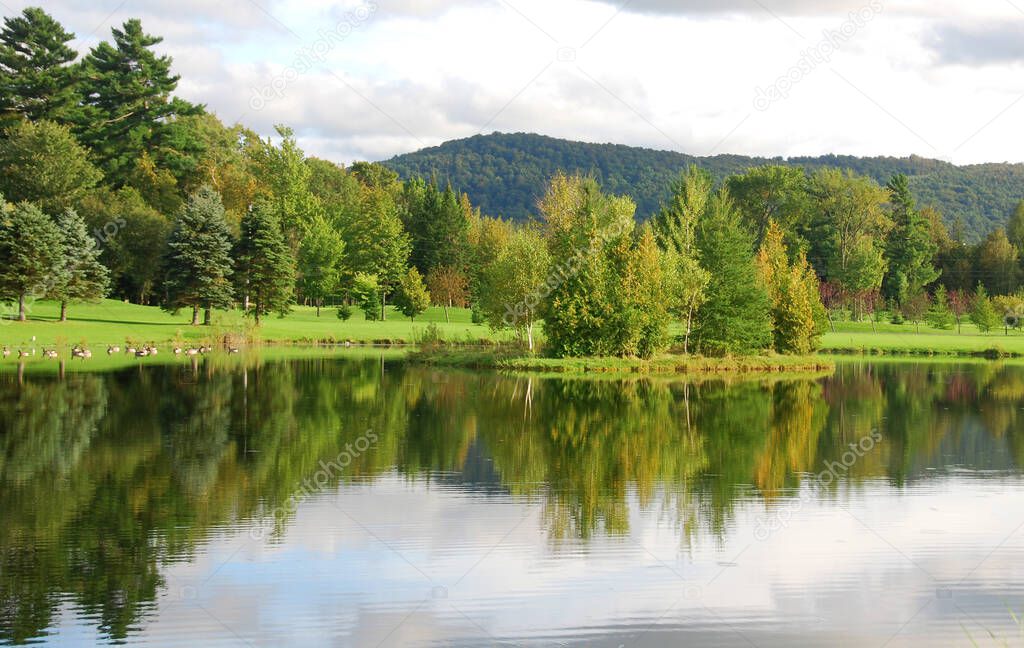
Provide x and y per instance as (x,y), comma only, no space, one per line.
(366,293)
(675,224)
(264,266)
(198,258)
(939,314)
(31,255)
(448,288)
(42,162)
(320,258)
(516,282)
(642,310)
(37,78)
(982,313)
(915,307)
(127,100)
(412,297)
(588,235)
(792,295)
(849,228)
(910,248)
(997,263)
(1015,227)
(85,278)
(376,242)
(284,173)
(773,193)
(685,289)
(736,314)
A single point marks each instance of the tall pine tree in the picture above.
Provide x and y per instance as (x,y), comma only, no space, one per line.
(85,278)
(265,269)
(909,250)
(37,78)
(198,261)
(128,102)
(736,314)
(31,259)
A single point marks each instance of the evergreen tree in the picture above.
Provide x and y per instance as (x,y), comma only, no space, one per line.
(910,248)
(42,162)
(128,102)
(37,79)
(321,254)
(412,297)
(982,313)
(736,314)
(939,314)
(265,270)
(198,258)
(85,278)
(31,259)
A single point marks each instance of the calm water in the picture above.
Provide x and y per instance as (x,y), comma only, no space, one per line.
(368,503)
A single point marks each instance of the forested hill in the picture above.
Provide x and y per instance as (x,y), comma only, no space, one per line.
(505,174)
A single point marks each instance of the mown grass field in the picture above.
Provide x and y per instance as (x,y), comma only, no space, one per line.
(114,322)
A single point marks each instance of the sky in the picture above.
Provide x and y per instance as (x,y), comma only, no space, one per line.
(369,79)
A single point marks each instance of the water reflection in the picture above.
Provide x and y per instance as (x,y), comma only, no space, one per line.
(107,481)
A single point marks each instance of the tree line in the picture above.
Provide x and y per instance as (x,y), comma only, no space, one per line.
(118,187)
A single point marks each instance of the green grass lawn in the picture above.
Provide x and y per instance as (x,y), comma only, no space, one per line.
(114,322)
(905,338)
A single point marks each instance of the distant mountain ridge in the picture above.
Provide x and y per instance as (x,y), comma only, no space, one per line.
(506,173)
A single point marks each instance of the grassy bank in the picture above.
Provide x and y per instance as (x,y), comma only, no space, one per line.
(662,364)
(114,322)
(885,338)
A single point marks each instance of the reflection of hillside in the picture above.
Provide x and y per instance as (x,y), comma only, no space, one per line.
(104,478)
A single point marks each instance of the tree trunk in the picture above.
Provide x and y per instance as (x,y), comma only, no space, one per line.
(383,305)
(529,335)
(207,316)
(446,312)
(21,308)
(256,315)
(195,315)
(63,311)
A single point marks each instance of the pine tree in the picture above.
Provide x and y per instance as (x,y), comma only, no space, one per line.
(939,314)
(85,278)
(266,272)
(982,314)
(198,261)
(128,102)
(31,259)
(37,79)
(675,225)
(412,297)
(736,315)
(909,250)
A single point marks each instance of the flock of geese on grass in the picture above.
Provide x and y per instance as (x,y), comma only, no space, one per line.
(143,351)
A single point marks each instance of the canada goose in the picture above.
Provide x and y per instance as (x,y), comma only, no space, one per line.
(192,352)
(177,350)
(50,353)
(152,350)
(129,349)
(113,349)
(23,353)
(7,352)
(204,349)
(142,353)
(80,353)
(232,349)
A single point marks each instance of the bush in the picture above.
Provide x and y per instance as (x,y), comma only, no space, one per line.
(344,312)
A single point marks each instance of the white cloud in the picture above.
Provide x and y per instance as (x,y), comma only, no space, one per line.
(679,75)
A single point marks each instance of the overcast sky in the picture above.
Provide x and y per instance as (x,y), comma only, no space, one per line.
(368,79)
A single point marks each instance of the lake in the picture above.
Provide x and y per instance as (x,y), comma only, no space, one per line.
(367,502)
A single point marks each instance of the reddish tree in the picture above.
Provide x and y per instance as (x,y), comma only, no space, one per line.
(960,302)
